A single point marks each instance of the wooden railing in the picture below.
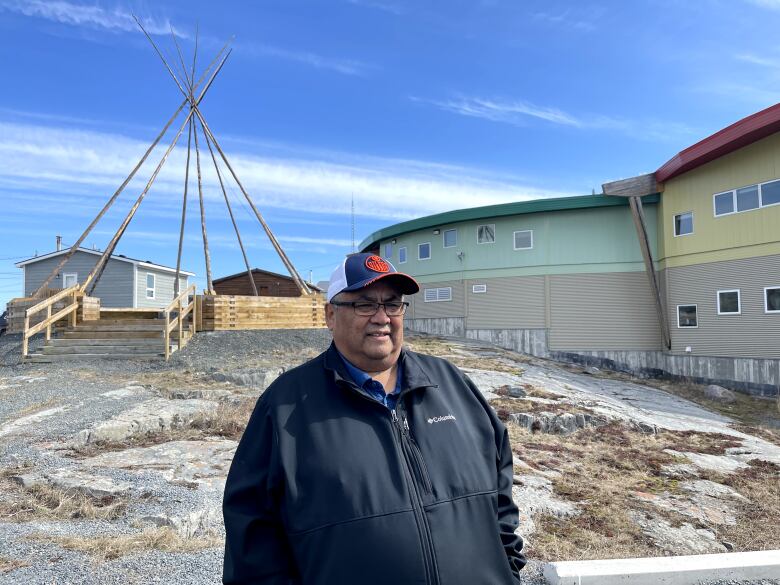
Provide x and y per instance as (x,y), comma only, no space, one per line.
(69,310)
(182,308)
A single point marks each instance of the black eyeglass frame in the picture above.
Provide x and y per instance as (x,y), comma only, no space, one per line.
(402,306)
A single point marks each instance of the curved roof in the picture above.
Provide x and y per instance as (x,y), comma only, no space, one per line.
(739,134)
(500,210)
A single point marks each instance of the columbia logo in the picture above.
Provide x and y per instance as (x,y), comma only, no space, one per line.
(436,419)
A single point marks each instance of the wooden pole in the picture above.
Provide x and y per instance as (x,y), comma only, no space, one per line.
(206,254)
(230,211)
(97,271)
(183,211)
(291,269)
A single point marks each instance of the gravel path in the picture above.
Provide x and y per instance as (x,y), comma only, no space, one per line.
(63,399)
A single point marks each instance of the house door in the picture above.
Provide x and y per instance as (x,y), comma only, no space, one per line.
(69,279)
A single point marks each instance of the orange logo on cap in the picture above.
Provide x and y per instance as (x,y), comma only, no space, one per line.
(376,264)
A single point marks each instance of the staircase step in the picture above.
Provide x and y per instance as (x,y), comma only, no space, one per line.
(48,358)
(111,334)
(99,349)
(114,341)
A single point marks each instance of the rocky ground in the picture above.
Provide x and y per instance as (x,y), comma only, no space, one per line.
(112,472)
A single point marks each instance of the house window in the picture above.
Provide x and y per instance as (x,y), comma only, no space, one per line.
(424,251)
(729,302)
(486,234)
(772,299)
(150,285)
(69,279)
(724,203)
(402,255)
(770,193)
(747,198)
(524,240)
(450,238)
(686,316)
(433,295)
(683,224)
(389,250)
(478,288)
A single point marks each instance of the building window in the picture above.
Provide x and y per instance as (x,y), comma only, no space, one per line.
(69,279)
(389,250)
(729,302)
(424,251)
(747,198)
(450,238)
(150,286)
(478,288)
(524,240)
(402,255)
(683,224)
(486,234)
(686,316)
(433,295)
(772,299)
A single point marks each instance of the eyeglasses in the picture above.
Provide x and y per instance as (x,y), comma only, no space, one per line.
(368,308)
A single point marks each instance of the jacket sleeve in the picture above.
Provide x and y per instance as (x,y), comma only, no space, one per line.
(256,547)
(508,515)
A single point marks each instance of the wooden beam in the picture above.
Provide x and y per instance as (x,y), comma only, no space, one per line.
(644,245)
(633,187)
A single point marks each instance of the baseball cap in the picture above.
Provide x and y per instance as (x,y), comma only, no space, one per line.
(360,270)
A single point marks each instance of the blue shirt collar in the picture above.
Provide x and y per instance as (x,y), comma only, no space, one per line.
(371,386)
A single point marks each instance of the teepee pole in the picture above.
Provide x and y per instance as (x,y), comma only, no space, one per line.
(230,211)
(98,268)
(206,254)
(183,211)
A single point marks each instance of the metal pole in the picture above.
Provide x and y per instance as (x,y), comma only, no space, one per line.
(230,211)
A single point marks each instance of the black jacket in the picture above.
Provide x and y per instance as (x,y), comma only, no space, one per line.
(330,487)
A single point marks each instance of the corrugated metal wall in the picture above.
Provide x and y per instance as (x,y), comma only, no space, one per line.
(751,334)
(453,308)
(602,311)
(513,302)
(115,287)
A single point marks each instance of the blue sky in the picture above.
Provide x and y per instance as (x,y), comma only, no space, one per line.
(411,107)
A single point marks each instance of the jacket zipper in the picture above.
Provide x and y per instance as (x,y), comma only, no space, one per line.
(428,551)
(422,468)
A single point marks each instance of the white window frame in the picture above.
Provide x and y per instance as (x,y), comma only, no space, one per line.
(697,316)
(389,246)
(437,293)
(153,287)
(733,193)
(430,251)
(492,225)
(717,302)
(444,238)
(66,275)
(674,224)
(478,289)
(761,194)
(766,304)
(514,239)
(399,255)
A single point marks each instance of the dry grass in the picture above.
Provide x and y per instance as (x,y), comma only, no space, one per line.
(37,407)
(601,470)
(515,405)
(103,548)
(7,565)
(227,420)
(42,502)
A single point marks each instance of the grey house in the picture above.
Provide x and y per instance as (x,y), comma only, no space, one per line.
(125,283)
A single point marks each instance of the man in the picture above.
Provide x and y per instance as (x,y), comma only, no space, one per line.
(371,464)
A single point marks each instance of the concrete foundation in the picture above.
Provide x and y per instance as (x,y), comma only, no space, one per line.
(757,377)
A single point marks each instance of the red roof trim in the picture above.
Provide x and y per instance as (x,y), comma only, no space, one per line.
(746,131)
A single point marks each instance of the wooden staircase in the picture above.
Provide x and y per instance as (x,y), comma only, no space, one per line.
(118,338)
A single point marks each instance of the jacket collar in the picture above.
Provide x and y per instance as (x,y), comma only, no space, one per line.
(414,375)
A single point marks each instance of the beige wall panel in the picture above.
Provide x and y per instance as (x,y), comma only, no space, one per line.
(422,310)
(509,303)
(751,334)
(608,311)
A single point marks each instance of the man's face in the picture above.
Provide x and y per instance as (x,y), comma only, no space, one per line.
(370,343)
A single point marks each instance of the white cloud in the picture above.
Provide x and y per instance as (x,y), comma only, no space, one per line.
(772,63)
(566,19)
(343,66)
(87,15)
(770,4)
(42,160)
(392,8)
(519,113)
